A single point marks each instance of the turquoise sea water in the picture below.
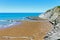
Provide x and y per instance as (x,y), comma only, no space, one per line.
(16,15)
(6,19)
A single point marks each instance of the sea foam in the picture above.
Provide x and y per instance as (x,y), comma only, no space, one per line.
(7,23)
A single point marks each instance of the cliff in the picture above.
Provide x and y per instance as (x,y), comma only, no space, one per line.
(53,15)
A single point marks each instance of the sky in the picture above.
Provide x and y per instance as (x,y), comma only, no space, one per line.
(27,6)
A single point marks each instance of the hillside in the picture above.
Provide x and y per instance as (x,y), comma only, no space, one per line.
(53,15)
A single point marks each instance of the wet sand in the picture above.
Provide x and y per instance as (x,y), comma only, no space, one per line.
(30,30)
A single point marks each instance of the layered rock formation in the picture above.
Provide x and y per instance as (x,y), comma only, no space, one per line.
(53,15)
(35,18)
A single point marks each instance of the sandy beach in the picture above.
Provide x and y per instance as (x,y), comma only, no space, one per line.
(26,30)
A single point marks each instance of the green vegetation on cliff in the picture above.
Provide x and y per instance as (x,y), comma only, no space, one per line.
(58,6)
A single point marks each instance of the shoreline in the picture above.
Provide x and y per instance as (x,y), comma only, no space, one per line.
(35,29)
(20,22)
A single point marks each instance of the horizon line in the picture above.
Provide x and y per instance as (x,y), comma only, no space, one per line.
(21,12)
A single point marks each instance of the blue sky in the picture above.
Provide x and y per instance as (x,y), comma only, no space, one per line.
(27,5)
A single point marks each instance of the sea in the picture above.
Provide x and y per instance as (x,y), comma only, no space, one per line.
(7,19)
(14,16)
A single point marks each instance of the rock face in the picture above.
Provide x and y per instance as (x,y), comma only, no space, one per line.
(53,15)
(35,18)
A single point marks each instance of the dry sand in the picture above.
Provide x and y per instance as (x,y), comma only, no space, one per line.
(30,30)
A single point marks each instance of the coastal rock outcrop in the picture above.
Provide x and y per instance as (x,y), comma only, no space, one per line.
(53,15)
(35,18)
